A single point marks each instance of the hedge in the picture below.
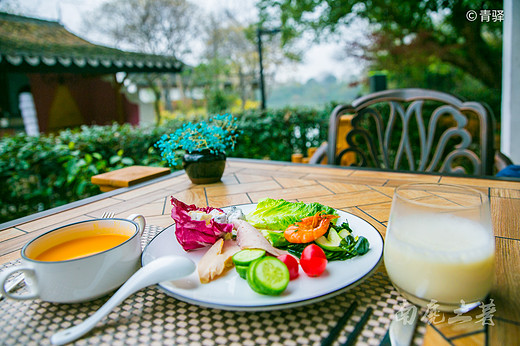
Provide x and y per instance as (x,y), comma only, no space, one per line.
(39,173)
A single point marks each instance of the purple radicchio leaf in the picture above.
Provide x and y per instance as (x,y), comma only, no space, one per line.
(193,234)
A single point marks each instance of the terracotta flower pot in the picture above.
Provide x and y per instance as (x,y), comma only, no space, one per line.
(204,167)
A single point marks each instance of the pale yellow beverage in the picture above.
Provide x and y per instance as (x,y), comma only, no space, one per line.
(439,245)
(441,257)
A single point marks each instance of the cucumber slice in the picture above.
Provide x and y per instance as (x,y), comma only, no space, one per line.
(247,256)
(250,277)
(269,275)
(242,271)
(331,242)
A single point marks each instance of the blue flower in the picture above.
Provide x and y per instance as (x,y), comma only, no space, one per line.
(217,135)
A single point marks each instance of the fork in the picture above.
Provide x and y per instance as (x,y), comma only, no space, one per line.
(108,215)
(13,284)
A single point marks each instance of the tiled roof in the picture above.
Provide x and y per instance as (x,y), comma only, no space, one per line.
(30,44)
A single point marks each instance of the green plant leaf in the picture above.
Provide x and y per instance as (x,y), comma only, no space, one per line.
(114,159)
(127,161)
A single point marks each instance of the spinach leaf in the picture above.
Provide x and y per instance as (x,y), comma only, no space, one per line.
(362,246)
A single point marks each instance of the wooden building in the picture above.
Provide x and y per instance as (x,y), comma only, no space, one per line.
(51,79)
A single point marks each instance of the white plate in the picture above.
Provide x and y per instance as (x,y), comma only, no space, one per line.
(230,292)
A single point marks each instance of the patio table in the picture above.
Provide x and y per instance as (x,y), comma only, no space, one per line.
(153,317)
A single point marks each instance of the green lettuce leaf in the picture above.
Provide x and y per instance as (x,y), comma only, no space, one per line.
(276,238)
(278,214)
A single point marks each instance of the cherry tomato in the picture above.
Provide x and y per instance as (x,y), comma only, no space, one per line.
(313,260)
(292,265)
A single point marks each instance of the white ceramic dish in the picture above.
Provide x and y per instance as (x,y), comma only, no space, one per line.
(79,279)
(230,292)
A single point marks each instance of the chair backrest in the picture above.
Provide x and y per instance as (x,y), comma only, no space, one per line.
(417,130)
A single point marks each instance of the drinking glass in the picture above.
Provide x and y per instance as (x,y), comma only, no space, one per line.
(439,247)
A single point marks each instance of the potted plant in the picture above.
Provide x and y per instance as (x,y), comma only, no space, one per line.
(201,147)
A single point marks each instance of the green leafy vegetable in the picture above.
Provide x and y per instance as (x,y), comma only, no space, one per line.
(362,246)
(344,225)
(276,238)
(278,214)
(351,246)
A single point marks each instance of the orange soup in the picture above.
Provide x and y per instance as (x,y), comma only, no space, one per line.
(82,247)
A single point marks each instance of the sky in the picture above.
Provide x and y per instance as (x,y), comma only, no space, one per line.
(318,59)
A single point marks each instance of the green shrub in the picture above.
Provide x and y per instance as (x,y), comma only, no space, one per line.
(276,134)
(39,173)
(43,172)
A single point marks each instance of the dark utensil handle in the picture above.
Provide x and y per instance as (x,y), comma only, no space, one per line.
(334,332)
(351,339)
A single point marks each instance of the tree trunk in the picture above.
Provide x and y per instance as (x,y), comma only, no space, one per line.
(242,86)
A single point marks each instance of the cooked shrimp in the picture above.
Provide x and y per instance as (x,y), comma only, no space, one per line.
(309,228)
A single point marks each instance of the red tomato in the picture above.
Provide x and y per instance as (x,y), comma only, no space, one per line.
(313,260)
(292,265)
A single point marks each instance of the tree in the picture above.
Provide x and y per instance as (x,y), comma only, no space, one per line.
(164,27)
(415,32)
(229,66)
(232,55)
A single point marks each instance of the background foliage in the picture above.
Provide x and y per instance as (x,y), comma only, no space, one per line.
(422,43)
(39,173)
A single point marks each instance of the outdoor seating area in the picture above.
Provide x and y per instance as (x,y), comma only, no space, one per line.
(412,133)
(265,172)
(156,313)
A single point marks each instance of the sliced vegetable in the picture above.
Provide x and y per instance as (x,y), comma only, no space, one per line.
(250,277)
(313,260)
(268,275)
(292,265)
(309,228)
(193,234)
(247,256)
(242,271)
(330,242)
(278,214)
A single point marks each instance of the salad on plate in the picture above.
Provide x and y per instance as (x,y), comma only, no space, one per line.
(268,245)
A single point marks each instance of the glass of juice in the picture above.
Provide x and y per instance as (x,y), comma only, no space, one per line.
(439,247)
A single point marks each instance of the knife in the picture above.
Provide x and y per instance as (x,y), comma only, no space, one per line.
(401,331)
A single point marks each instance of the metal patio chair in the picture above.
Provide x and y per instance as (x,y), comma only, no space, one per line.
(417,130)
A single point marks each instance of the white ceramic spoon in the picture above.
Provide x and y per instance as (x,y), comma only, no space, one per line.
(165,268)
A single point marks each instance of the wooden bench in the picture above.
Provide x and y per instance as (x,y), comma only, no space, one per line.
(127,176)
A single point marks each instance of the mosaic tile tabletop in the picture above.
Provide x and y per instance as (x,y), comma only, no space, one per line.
(151,317)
